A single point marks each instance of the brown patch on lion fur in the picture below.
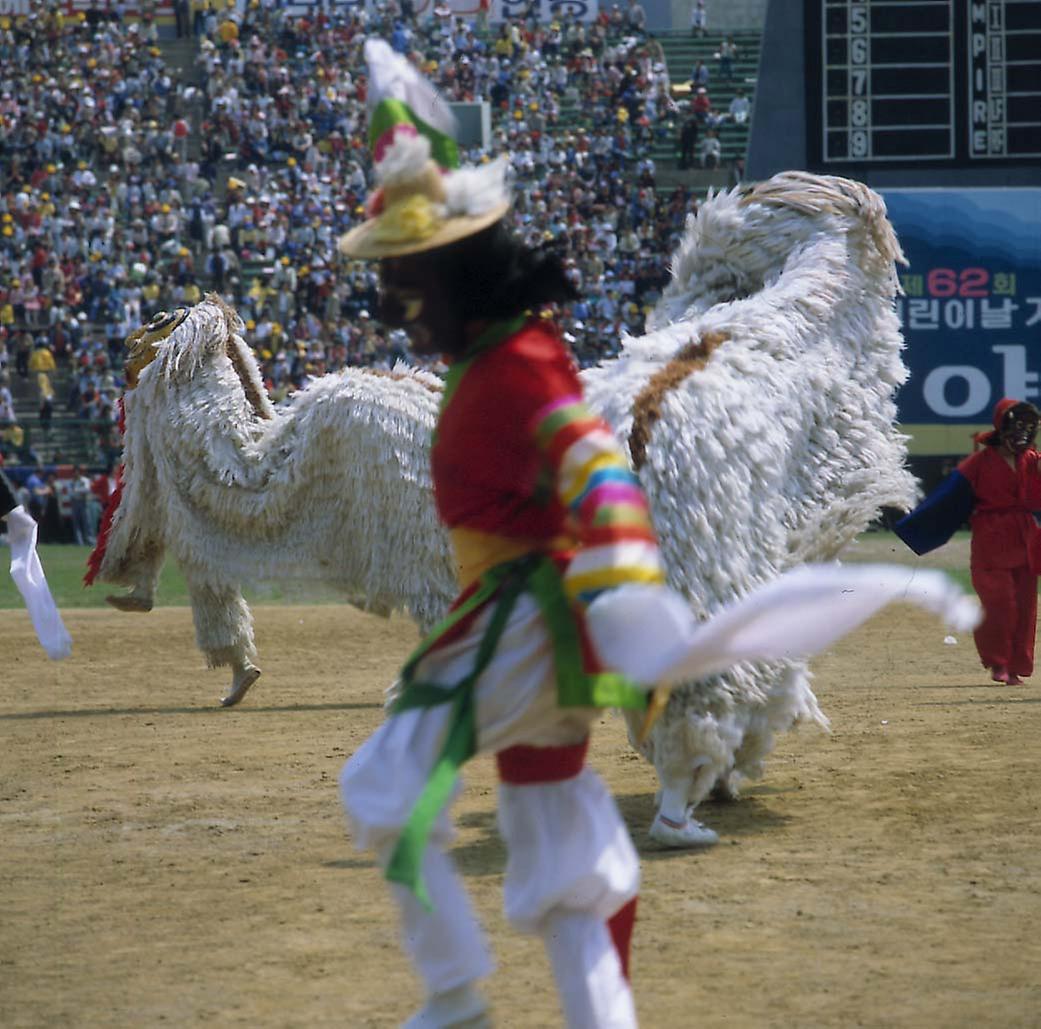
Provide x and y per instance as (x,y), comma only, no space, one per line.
(647,407)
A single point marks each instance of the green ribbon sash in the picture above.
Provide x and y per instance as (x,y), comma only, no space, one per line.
(534,573)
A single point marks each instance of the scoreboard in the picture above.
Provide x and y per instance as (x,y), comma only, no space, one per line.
(923,82)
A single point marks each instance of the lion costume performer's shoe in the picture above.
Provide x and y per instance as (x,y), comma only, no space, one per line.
(140,602)
(242,678)
(461,1008)
(689,833)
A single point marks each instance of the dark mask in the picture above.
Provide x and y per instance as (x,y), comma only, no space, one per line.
(1018,432)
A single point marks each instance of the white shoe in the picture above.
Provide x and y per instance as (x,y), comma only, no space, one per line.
(461,1008)
(240,683)
(691,833)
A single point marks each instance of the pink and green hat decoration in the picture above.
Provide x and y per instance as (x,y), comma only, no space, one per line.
(424,199)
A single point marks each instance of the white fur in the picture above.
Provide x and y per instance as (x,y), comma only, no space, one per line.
(405,158)
(779,451)
(334,486)
(475,190)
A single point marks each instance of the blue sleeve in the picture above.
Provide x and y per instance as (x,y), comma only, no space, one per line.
(936,519)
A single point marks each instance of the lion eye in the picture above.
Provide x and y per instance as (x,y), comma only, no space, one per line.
(161,319)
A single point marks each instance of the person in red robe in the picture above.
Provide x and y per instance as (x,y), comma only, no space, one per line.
(998,489)
(1006,540)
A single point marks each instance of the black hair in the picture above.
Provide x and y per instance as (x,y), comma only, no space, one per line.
(494,274)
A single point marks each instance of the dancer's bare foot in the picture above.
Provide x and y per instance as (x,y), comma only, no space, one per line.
(1014,680)
(243,676)
(129,601)
(999,675)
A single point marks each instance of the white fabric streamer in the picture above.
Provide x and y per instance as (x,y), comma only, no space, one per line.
(28,576)
(798,614)
(392,76)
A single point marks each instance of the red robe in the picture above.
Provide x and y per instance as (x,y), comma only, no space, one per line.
(1006,555)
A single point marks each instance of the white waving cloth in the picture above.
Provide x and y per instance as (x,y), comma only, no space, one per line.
(391,76)
(651,635)
(28,576)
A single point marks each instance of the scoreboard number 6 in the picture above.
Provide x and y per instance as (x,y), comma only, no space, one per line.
(946,282)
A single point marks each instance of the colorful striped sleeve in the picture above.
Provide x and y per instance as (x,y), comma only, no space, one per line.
(607,506)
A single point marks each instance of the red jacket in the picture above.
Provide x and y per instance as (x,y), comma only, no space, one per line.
(1004,532)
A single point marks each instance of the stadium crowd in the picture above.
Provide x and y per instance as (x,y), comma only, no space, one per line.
(284,106)
(110,212)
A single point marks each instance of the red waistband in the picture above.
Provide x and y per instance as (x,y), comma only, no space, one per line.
(523,765)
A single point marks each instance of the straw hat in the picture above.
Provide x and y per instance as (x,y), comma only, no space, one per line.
(424,200)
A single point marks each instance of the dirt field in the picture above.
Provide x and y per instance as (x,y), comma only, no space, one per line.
(166,862)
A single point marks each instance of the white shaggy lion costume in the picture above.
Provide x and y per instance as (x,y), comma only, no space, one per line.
(332,487)
(758,412)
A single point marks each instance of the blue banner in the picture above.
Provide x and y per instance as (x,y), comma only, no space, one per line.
(972,311)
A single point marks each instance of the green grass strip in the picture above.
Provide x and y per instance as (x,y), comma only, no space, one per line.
(65,564)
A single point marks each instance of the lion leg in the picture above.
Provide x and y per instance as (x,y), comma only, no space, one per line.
(674,824)
(141,574)
(224,633)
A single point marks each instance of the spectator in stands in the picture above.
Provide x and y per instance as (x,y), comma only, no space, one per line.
(739,107)
(42,358)
(54,511)
(199,11)
(714,119)
(46,402)
(81,501)
(12,440)
(699,75)
(701,104)
(228,31)
(688,142)
(636,18)
(23,348)
(727,55)
(114,256)
(711,151)
(7,413)
(183,17)
(39,493)
(698,19)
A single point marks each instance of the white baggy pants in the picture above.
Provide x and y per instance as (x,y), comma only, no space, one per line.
(571,863)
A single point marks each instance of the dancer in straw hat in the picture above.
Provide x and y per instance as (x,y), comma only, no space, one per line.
(544,514)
